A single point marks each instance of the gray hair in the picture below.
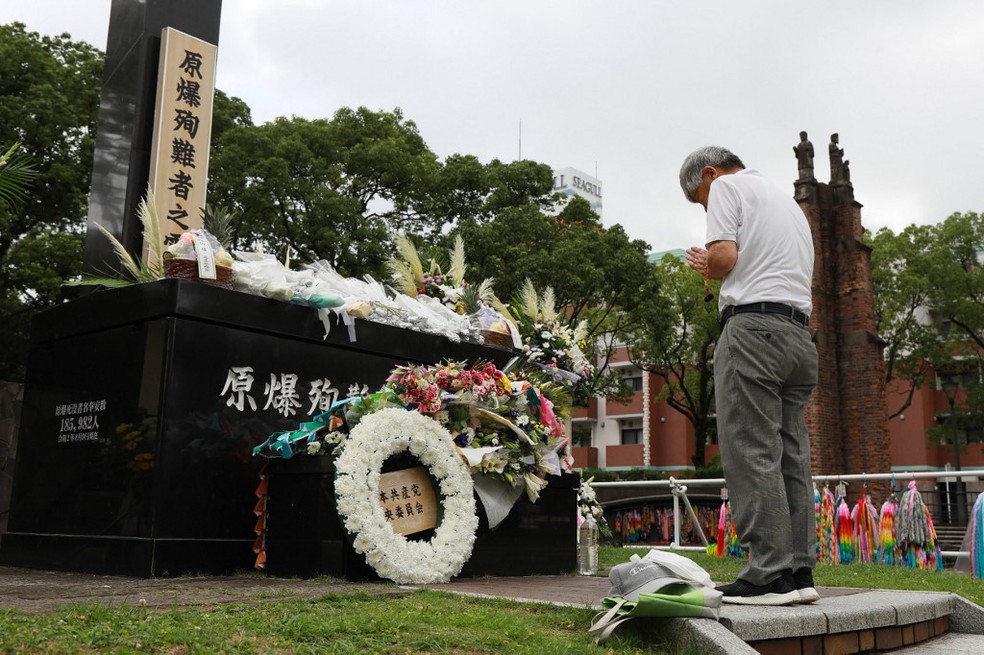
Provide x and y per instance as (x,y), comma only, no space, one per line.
(716,156)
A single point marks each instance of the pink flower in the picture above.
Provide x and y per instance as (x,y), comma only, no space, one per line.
(548,417)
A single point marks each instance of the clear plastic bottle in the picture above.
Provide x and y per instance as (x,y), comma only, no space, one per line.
(587,547)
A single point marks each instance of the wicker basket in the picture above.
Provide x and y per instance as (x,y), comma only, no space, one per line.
(187,269)
(498,339)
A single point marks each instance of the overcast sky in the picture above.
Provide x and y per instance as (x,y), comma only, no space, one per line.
(627,89)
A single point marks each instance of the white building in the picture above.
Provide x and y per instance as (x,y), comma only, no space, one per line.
(570,182)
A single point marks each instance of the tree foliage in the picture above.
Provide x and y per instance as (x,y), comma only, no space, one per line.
(593,271)
(901,294)
(929,304)
(589,267)
(49,99)
(953,267)
(672,333)
(326,189)
(228,112)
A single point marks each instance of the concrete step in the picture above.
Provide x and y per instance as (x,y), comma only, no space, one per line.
(842,621)
(948,644)
(950,537)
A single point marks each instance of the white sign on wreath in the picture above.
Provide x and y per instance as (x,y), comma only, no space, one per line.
(376,438)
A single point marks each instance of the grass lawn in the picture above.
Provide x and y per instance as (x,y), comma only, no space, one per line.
(411,622)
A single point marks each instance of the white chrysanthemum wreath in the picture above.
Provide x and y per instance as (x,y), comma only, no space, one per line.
(378,436)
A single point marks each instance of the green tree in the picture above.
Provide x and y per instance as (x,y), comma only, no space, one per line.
(593,271)
(588,266)
(49,99)
(228,112)
(928,295)
(953,267)
(465,191)
(464,195)
(672,334)
(519,183)
(331,190)
(901,295)
(459,191)
(956,296)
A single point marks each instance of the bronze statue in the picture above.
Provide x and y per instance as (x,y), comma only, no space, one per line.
(804,157)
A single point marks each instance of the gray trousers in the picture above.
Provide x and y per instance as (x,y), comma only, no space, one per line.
(765,367)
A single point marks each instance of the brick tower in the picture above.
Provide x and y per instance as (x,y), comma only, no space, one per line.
(846,417)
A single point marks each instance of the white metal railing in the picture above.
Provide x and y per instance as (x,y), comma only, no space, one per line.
(679,490)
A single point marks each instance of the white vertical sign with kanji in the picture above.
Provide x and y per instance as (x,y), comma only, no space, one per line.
(182,131)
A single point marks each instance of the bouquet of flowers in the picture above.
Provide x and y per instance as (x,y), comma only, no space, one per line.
(408,275)
(185,248)
(504,427)
(550,345)
(450,289)
(553,347)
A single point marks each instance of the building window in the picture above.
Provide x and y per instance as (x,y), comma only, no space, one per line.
(961,373)
(969,429)
(631,436)
(581,434)
(632,378)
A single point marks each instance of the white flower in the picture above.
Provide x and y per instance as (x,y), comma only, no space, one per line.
(334,438)
(494,462)
(534,484)
(313,448)
(370,443)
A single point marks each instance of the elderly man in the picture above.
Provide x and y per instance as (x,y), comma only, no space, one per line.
(765,367)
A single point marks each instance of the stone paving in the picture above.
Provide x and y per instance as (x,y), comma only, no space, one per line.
(37,592)
(856,616)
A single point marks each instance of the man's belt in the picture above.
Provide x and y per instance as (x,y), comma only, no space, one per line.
(765,308)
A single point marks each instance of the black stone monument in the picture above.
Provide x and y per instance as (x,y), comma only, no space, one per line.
(121,164)
(143,405)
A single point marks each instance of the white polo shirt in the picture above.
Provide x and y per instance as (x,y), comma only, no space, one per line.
(775,245)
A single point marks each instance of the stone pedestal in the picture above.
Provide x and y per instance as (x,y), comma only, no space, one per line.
(305,536)
(141,410)
(535,539)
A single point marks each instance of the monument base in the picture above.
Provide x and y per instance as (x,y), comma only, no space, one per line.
(305,537)
(143,405)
